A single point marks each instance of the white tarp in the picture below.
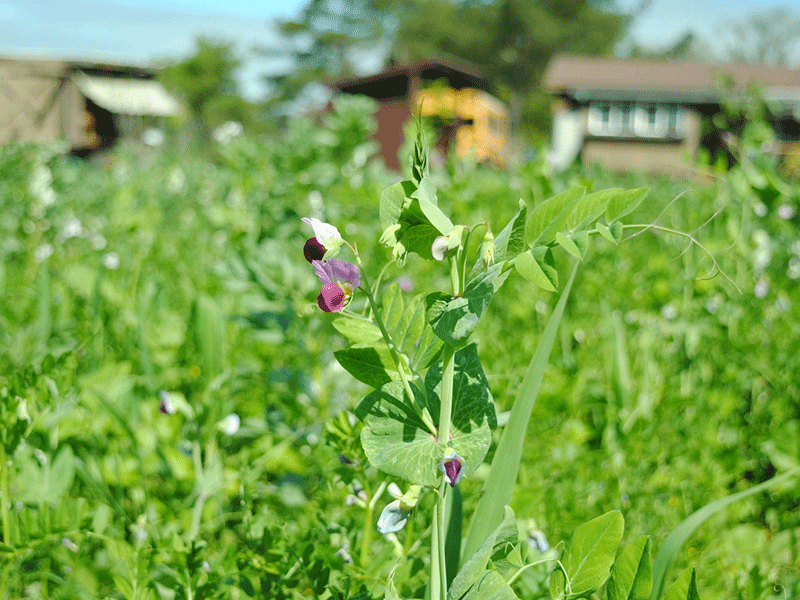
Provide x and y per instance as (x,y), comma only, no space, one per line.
(127,96)
(567,138)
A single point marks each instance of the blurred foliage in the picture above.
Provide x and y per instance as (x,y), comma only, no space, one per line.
(185,274)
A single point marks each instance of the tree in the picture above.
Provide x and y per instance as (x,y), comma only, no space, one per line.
(767,38)
(204,80)
(512,40)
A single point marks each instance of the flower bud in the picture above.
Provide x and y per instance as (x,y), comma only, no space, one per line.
(439,247)
(452,466)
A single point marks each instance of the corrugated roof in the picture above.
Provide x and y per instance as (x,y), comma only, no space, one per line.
(127,96)
(591,76)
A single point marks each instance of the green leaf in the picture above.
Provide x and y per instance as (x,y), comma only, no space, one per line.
(475,566)
(588,557)
(569,245)
(678,536)
(396,440)
(632,573)
(499,486)
(392,305)
(511,241)
(426,196)
(490,586)
(392,200)
(409,328)
(369,364)
(357,330)
(454,319)
(590,207)
(551,216)
(603,230)
(419,239)
(427,349)
(624,203)
(685,587)
(537,265)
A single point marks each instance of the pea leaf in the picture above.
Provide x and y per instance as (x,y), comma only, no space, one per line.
(632,573)
(454,319)
(370,364)
(588,557)
(396,440)
(357,330)
(551,216)
(537,265)
(624,203)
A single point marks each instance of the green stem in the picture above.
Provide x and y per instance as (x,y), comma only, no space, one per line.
(369,532)
(5,497)
(446,408)
(401,368)
(437,582)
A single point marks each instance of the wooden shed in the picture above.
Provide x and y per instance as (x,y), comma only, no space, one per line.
(468,115)
(91,105)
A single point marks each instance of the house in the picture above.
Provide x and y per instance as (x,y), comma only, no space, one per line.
(655,116)
(91,105)
(455,96)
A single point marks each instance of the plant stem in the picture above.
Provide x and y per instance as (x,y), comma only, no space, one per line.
(401,368)
(5,496)
(437,582)
(369,533)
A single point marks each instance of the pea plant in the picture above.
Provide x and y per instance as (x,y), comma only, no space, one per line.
(429,418)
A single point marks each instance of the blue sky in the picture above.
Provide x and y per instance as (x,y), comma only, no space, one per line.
(142,31)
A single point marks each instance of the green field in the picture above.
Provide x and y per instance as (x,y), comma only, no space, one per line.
(184,274)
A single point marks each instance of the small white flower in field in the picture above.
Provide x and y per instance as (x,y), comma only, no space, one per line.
(538,541)
(42,252)
(227,131)
(760,209)
(394,517)
(69,544)
(165,405)
(786,212)
(230,424)
(439,247)
(152,137)
(761,289)
(110,261)
(452,466)
(72,228)
(344,555)
(97,240)
(206,566)
(669,312)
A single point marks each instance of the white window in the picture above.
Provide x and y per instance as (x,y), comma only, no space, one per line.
(627,119)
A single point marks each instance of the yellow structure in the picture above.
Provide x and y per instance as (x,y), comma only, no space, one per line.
(479,119)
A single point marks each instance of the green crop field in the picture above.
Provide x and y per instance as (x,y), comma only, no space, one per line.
(174,423)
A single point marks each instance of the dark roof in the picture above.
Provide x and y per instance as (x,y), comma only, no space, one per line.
(393,81)
(587,78)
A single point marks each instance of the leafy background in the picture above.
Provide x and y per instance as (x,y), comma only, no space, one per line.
(184,273)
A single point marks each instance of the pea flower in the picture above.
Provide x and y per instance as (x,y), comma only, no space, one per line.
(396,513)
(339,279)
(452,465)
(327,239)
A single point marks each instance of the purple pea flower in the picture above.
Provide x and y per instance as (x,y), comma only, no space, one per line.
(339,279)
(452,466)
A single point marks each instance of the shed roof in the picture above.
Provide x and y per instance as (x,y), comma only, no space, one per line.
(587,78)
(127,96)
(393,81)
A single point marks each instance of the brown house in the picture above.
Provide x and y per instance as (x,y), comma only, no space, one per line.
(654,116)
(91,105)
(468,116)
